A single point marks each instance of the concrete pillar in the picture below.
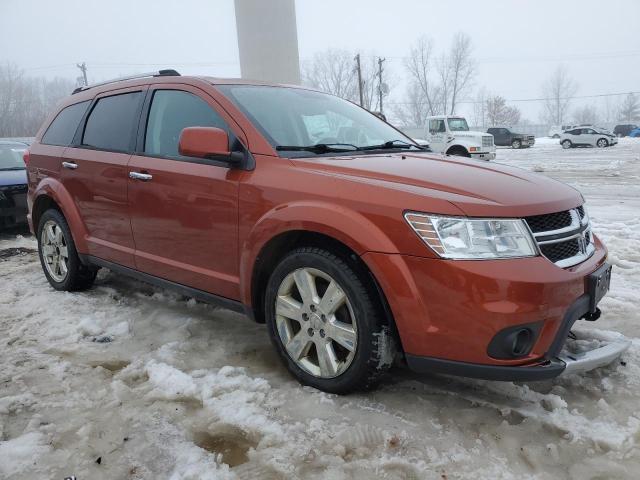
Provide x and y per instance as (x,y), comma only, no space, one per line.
(268,40)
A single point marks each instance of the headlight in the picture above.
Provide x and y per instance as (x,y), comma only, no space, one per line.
(467,238)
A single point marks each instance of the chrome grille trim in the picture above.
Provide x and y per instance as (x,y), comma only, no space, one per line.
(579,229)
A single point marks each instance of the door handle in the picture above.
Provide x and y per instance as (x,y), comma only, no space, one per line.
(70,165)
(144,177)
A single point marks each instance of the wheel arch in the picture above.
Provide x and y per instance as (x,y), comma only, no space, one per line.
(50,193)
(277,247)
(458,149)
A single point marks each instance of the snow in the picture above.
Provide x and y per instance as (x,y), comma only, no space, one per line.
(184,390)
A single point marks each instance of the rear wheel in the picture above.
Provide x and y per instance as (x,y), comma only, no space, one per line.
(556,136)
(566,144)
(325,322)
(516,144)
(602,142)
(58,256)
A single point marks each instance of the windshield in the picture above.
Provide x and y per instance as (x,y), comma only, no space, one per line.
(458,125)
(11,157)
(293,117)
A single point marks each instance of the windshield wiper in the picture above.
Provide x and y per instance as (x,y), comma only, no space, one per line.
(12,168)
(319,148)
(392,144)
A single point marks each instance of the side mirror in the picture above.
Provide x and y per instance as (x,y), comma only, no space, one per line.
(204,142)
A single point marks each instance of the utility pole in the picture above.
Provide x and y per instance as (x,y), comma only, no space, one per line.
(83,68)
(359,70)
(380,87)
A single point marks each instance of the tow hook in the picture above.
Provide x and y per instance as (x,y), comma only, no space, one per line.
(592,316)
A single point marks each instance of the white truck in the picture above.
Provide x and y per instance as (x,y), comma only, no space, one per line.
(450,134)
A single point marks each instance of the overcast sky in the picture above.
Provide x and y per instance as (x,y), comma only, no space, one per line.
(517,43)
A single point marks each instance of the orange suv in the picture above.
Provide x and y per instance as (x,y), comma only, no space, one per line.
(356,246)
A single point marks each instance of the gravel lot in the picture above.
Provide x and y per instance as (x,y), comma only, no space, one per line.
(127,381)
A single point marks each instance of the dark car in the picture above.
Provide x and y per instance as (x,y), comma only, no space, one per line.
(13,185)
(504,137)
(624,130)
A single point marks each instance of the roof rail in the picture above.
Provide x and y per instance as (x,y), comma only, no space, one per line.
(160,73)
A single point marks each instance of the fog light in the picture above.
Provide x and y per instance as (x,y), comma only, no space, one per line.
(514,342)
(521,342)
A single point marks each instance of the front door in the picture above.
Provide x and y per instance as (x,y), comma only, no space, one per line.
(184,211)
(437,135)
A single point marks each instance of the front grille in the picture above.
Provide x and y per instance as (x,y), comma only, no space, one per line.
(552,221)
(487,141)
(561,250)
(563,237)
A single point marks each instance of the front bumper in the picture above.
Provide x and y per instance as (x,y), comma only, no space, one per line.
(483,155)
(13,208)
(447,312)
(599,352)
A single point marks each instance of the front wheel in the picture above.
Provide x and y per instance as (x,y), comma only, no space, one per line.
(58,256)
(516,144)
(566,144)
(326,323)
(602,142)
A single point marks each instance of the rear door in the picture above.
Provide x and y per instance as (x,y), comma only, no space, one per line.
(95,172)
(184,212)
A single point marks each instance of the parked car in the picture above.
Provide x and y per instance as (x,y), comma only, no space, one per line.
(624,130)
(306,212)
(451,135)
(635,132)
(504,137)
(587,137)
(13,185)
(557,130)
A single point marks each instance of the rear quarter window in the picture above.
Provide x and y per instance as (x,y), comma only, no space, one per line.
(111,123)
(64,126)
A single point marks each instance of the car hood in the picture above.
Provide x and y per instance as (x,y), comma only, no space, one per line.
(477,188)
(13,177)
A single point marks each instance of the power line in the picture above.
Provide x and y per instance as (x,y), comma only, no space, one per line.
(542,99)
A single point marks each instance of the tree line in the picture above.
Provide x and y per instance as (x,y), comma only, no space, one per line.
(439,81)
(26,101)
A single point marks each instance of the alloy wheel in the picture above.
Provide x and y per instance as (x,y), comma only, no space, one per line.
(316,322)
(54,251)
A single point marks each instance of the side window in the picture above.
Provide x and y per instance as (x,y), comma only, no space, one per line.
(112,121)
(172,111)
(437,126)
(64,126)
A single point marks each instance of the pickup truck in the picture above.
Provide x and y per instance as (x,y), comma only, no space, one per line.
(504,137)
(451,135)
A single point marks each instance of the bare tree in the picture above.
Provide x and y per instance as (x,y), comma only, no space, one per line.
(414,111)
(499,113)
(630,108)
(420,65)
(586,114)
(558,91)
(480,108)
(333,71)
(26,101)
(462,67)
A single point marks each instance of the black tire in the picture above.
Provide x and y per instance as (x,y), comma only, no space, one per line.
(375,347)
(459,152)
(566,144)
(516,144)
(556,136)
(78,277)
(602,143)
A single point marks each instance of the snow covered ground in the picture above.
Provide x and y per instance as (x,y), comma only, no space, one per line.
(127,381)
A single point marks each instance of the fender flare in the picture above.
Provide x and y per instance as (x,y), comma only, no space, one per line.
(53,188)
(344,225)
